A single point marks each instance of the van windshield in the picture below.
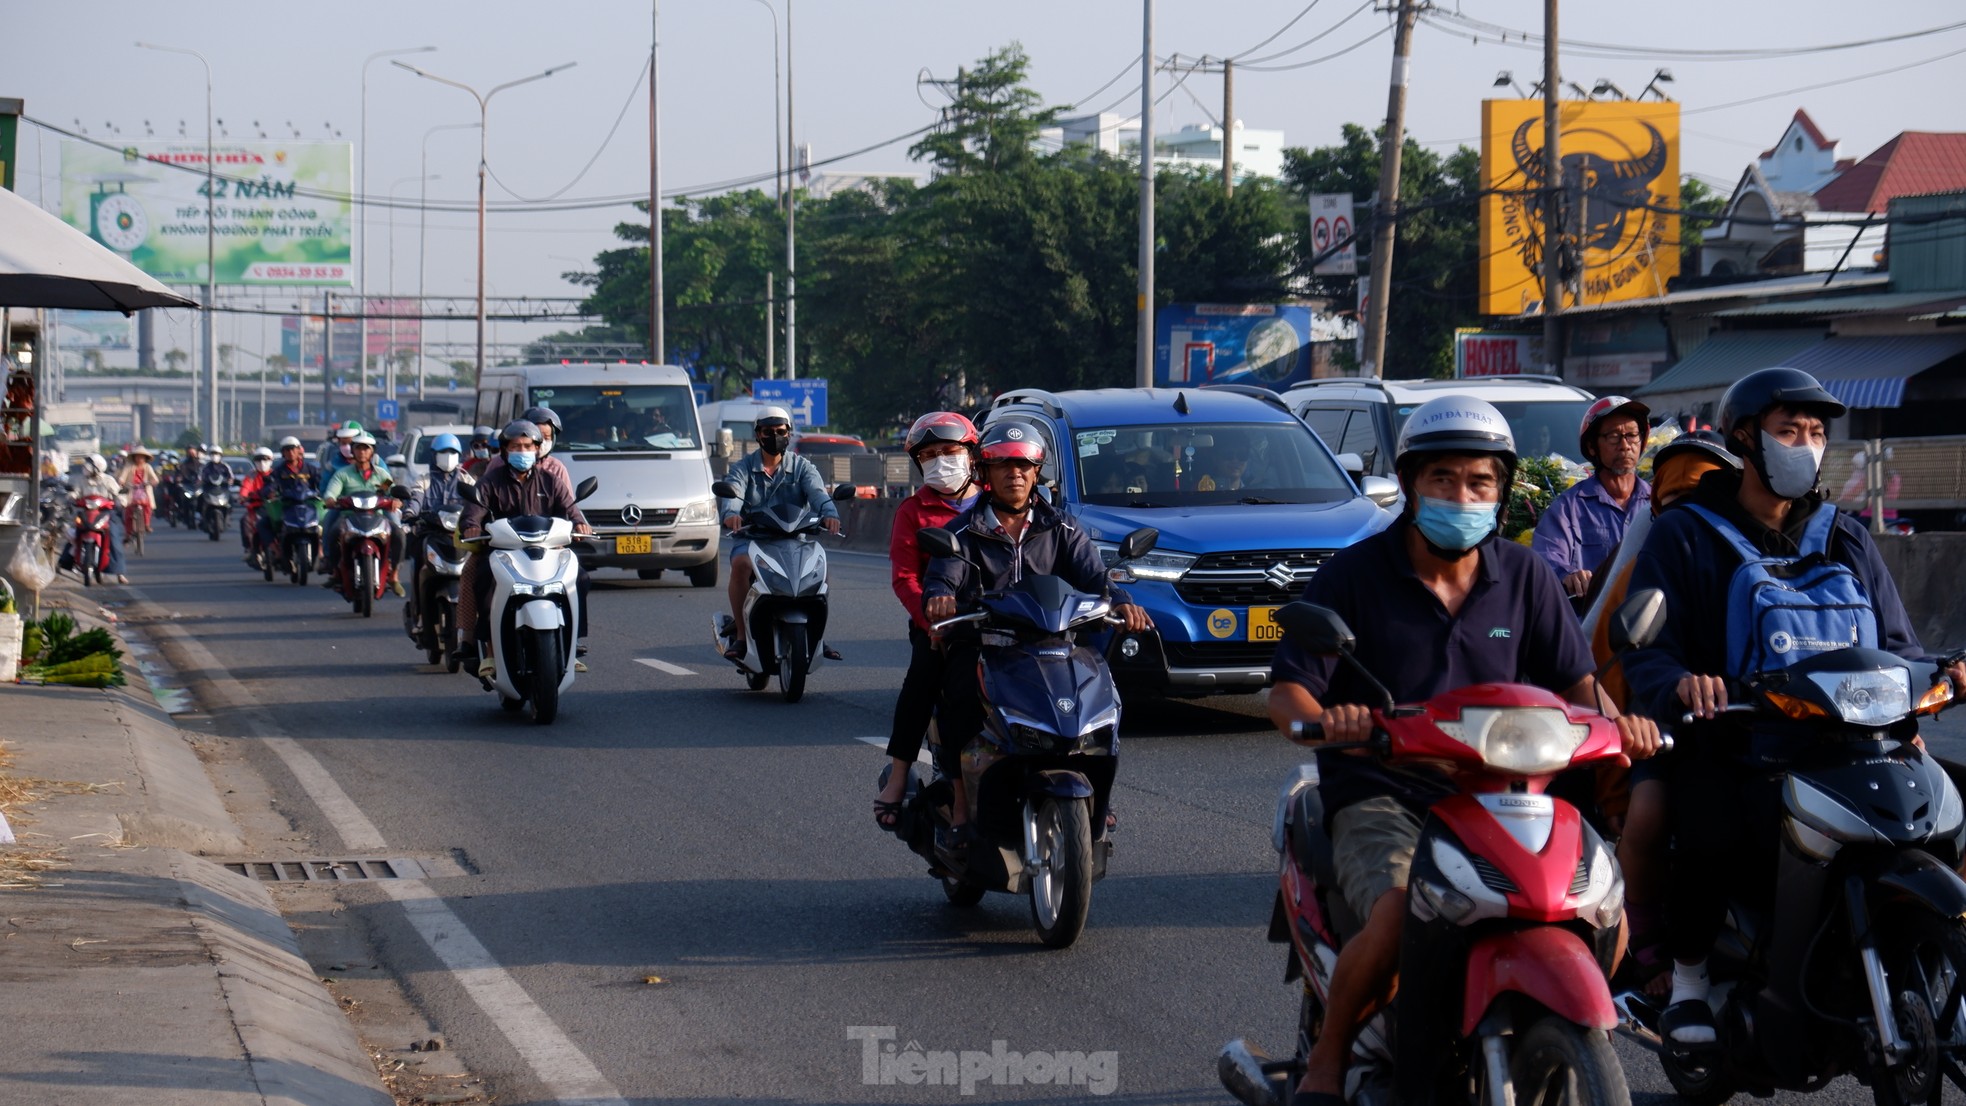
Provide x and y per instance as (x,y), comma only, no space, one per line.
(1197,465)
(618,417)
(1541,427)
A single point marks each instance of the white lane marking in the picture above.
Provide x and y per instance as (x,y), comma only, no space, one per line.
(570,1077)
(566,1072)
(665,666)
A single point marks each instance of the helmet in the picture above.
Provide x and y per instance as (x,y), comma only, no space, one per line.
(122,453)
(484,432)
(1606,408)
(291,442)
(263,454)
(518,428)
(446,442)
(1765,388)
(363,437)
(396,460)
(95,461)
(214,452)
(771,415)
(1706,442)
(544,416)
(1011,442)
(941,428)
(1455,424)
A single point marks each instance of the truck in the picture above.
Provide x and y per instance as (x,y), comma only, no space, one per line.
(71,428)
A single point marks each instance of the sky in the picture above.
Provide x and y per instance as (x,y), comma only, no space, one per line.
(856,66)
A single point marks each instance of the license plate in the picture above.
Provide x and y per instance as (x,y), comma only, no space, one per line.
(626,544)
(1263,624)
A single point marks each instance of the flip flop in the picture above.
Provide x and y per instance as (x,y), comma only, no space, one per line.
(735,653)
(887,814)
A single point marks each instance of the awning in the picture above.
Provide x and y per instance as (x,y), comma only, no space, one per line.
(1729,355)
(1871,372)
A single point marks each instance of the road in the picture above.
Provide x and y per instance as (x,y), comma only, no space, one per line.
(672,826)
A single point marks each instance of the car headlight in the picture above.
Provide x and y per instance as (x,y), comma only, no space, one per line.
(1875,698)
(704,510)
(1530,741)
(1161,564)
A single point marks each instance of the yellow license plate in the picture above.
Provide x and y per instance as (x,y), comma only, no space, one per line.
(625,544)
(1263,624)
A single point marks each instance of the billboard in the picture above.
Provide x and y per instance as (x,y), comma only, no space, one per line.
(100,330)
(280,210)
(1621,176)
(1480,353)
(1269,345)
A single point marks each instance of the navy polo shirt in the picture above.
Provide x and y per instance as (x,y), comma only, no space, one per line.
(1514,627)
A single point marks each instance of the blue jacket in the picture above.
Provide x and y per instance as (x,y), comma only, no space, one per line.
(1583,525)
(796,483)
(1052,546)
(439,492)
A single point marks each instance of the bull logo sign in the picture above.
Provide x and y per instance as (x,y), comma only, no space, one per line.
(1620,181)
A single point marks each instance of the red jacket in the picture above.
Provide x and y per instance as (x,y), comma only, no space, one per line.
(906,560)
(253,488)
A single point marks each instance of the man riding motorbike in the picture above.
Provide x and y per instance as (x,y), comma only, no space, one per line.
(1009,534)
(253,491)
(96,480)
(293,474)
(944,447)
(1726,815)
(770,477)
(1438,603)
(553,470)
(511,490)
(362,473)
(480,451)
(437,492)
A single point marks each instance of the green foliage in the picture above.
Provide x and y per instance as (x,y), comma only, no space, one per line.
(1703,206)
(187,438)
(1538,480)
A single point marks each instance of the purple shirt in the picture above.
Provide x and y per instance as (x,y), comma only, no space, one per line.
(1584,524)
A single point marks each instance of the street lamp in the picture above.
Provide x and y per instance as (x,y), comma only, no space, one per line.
(422,234)
(362,218)
(211,247)
(484,115)
(778,153)
(395,306)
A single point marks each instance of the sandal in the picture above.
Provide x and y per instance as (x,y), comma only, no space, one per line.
(735,653)
(887,814)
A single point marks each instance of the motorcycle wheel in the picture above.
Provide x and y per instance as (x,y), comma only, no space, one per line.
(511,706)
(547,667)
(212,526)
(1926,966)
(266,564)
(793,660)
(1061,883)
(85,566)
(447,631)
(1560,1063)
(364,597)
(961,892)
(136,537)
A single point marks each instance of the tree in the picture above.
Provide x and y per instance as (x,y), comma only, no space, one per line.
(993,118)
(188,437)
(174,361)
(1700,209)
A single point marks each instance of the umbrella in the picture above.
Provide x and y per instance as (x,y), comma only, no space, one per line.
(44,262)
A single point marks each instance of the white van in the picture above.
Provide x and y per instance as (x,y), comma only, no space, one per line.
(634,429)
(736,416)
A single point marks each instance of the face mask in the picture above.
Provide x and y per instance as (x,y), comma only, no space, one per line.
(545,446)
(263,465)
(521,460)
(445,461)
(1790,470)
(480,454)
(347,452)
(1456,526)
(774,444)
(946,474)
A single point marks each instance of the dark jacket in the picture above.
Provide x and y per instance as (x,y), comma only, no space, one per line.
(1052,545)
(503,494)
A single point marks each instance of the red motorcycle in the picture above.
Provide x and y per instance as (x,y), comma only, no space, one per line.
(362,573)
(91,544)
(1513,904)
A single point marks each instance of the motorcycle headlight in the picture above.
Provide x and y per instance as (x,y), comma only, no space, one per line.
(448,520)
(703,510)
(1531,741)
(1876,698)
(552,588)
(1161,564)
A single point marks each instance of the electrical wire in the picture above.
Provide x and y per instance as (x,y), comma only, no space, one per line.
(1531,40)
(1379,34)
(623,114)
(1278,33)
(1130,67)
(1326,33)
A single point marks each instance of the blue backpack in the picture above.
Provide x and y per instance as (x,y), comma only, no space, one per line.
(1781,610)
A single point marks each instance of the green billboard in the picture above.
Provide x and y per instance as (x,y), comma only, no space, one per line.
(280,211)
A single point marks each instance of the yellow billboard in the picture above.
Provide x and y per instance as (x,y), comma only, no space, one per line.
(1620,181)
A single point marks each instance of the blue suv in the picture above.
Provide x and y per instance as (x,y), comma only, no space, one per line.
(1247,500)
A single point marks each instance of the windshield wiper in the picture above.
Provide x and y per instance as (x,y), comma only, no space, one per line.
(1144,503)
(1261,499)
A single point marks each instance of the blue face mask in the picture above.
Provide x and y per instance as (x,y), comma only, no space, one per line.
(520,462)
(1453,525)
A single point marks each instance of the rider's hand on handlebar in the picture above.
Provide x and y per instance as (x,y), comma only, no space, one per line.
(733,523)
(1639,736)
(1347,722)
(832,526)
(1704,696)
(938,608)
(582,528)
(1137,618)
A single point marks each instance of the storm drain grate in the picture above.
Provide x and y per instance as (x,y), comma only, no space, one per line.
(353,870)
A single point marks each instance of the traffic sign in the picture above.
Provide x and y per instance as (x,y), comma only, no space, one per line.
(1331,224)
(806,397)
(386,410)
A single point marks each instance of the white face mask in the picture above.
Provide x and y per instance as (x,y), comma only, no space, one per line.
(445,461)
(1790,470)
(545,446)
(947,474)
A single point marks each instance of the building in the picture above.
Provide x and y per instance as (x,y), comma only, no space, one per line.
(1258,153)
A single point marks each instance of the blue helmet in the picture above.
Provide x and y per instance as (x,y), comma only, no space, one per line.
(444,442)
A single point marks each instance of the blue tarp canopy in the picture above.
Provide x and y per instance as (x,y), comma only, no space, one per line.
(1871,371)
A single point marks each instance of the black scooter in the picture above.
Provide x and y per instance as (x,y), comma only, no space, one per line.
(215,503)
(1039,778)
(434,579)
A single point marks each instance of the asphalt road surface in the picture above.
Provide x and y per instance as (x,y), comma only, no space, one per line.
(674,826)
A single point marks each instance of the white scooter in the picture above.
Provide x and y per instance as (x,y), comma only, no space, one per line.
(534,609)
(785,608)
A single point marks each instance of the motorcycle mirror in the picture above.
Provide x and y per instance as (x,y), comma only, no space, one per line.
(1139,543)
(939,542)
(845,492)
(398,491)
(1638,620)
(1317,629)
(724,489)
(1382,490)
(722,447)
(587,487)
(467,490)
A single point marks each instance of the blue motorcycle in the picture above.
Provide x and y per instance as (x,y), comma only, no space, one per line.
(300,534)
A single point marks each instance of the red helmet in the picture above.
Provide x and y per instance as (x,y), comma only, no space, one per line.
(941,428)
(1606,408)
(1012,442)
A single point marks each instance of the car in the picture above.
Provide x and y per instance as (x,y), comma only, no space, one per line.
(1360,417)
(817,446)
(416,448)
(1249,503)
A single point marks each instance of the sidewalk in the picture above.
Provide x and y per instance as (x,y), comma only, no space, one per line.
(134,969)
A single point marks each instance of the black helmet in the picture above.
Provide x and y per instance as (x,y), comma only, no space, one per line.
(543,416)
(1764,388)
(1706,442)
(516,429)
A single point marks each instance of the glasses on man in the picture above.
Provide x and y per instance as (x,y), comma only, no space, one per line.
(1629,437)
(774,432)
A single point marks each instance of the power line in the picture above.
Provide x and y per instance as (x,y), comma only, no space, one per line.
(1326,33)
(1530,40)
(1378,34)
(1276,34)
(623,114)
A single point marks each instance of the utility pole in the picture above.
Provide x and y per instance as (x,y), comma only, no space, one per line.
(1386,218)
(657,343)
(1228,126)
(791,258)
(1143,360)
(771,324)
(1552,200)
(327,355)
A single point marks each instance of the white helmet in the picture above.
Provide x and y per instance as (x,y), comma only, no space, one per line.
(214,452)
(263,453)
(772,414)
(291,441)
(1455,424)
(95,462)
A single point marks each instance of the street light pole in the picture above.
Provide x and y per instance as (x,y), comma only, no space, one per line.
(362,212)
(657,341)
(791,257)
(422,235)
(211,248)
(777,124)
(395,307)
(1143,357)
(484,115)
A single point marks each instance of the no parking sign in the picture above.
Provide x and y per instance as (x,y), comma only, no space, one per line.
(1331,223)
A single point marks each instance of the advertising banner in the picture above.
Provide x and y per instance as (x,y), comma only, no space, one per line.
(1620,179)
(280,210)
(1269,345)
(1484,353)
(101,330)
(1331,223)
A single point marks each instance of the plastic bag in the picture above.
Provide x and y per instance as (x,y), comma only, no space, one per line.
(30,566)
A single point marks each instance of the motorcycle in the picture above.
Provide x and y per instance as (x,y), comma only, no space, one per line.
(92,537)
(1039,776)
(1514,903)
(785,608)
(433,623)
(1858,963)
(300,535)
(363,534)
(534,610)
(214,503)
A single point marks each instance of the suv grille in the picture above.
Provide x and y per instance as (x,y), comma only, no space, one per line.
(1223,654)
(1250,579)
(650,517)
